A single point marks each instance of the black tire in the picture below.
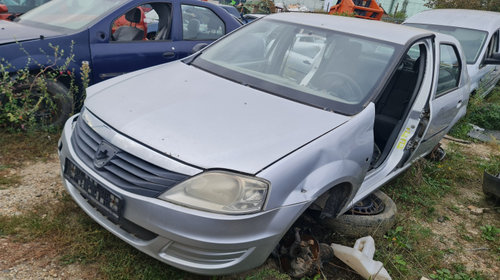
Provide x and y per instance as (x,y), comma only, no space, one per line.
(364,225)
(60,97)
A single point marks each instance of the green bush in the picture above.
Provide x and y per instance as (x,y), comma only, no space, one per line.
(486,115)
(39,99)
(482,112)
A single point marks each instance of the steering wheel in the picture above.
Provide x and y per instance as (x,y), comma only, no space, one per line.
(342,86)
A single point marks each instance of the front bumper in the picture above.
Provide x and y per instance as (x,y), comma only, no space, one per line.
(192,240)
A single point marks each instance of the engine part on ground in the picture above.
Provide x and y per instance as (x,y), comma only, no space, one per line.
(437,154)
(491,185)
(301,255)
(360,258)
(367,9)
(356,224)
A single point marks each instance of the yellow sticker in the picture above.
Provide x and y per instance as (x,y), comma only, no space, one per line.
(404,139)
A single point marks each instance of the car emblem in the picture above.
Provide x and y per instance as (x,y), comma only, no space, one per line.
(105,152)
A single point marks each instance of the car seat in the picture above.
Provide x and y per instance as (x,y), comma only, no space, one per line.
(130,33)
(193,28)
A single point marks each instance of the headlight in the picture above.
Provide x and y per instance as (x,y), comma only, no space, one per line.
(220,192)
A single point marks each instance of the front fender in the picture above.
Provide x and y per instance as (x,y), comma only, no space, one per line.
(340,156)
(40,53)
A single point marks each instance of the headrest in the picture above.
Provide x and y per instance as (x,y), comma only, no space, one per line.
(133,15)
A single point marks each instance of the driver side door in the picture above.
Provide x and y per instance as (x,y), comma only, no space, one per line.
(136,36)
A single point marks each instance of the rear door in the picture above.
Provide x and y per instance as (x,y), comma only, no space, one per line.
(450,94)
(490,73)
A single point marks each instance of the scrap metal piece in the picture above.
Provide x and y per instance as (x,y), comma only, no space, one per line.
(302,255)
(491,184)
(484,135)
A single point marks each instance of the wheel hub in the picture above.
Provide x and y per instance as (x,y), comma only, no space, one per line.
(370,205)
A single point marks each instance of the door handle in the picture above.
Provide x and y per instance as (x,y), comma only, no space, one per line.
(168,54)
(459,103)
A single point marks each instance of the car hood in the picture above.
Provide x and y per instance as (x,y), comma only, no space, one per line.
(11,32)
(208,121)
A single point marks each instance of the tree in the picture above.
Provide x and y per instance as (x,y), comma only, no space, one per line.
(490,5)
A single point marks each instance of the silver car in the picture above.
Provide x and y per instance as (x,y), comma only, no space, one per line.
(205,163)
(478,33)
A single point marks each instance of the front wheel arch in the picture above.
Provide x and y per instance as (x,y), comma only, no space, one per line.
(60,96)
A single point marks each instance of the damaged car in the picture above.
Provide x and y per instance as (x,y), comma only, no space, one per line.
(209,166)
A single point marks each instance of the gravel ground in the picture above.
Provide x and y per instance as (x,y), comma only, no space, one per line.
(40,185)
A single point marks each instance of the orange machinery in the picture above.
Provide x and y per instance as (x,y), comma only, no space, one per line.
(4,12)
(367,9)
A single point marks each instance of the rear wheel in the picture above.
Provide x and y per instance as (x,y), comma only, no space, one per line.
(374,216)
(54,105)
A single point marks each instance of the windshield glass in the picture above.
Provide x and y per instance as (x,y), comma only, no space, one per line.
(320,67)
(70,14)
(471,40)
(21,6)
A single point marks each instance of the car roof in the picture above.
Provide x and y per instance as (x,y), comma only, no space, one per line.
(389,32)
(474,19)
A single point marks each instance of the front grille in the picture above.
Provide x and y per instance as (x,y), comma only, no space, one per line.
(124,170)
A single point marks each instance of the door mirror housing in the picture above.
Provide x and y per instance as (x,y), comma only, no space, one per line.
(494,59)
(3,8)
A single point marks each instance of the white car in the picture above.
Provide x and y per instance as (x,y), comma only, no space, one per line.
(478,33)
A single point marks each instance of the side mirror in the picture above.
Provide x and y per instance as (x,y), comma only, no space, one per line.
(3,8)
(198,47)
(494,59)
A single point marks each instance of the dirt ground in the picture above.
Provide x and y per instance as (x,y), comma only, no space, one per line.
(40,183)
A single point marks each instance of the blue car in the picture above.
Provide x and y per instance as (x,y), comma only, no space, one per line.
(111,36)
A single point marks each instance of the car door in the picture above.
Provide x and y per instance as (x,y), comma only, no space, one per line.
(136,36)
(170,31)
(449,97)
(490,74)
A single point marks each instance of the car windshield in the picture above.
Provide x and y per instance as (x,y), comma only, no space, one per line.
(21,6)
(320,67)
(472,40)
(69,14)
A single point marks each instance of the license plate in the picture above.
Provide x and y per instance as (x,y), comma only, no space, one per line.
(104,200)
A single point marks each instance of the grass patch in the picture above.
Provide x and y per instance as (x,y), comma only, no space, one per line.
(80,240)
(421,194)
(7,181)
(483,112)
(17,147)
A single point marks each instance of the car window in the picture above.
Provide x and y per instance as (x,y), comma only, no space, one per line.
(200,23)
(472,40)
(65,14)
(449,69)
(143,23)
(493,46)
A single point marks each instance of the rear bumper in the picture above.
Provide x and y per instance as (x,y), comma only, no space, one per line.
(192,240)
